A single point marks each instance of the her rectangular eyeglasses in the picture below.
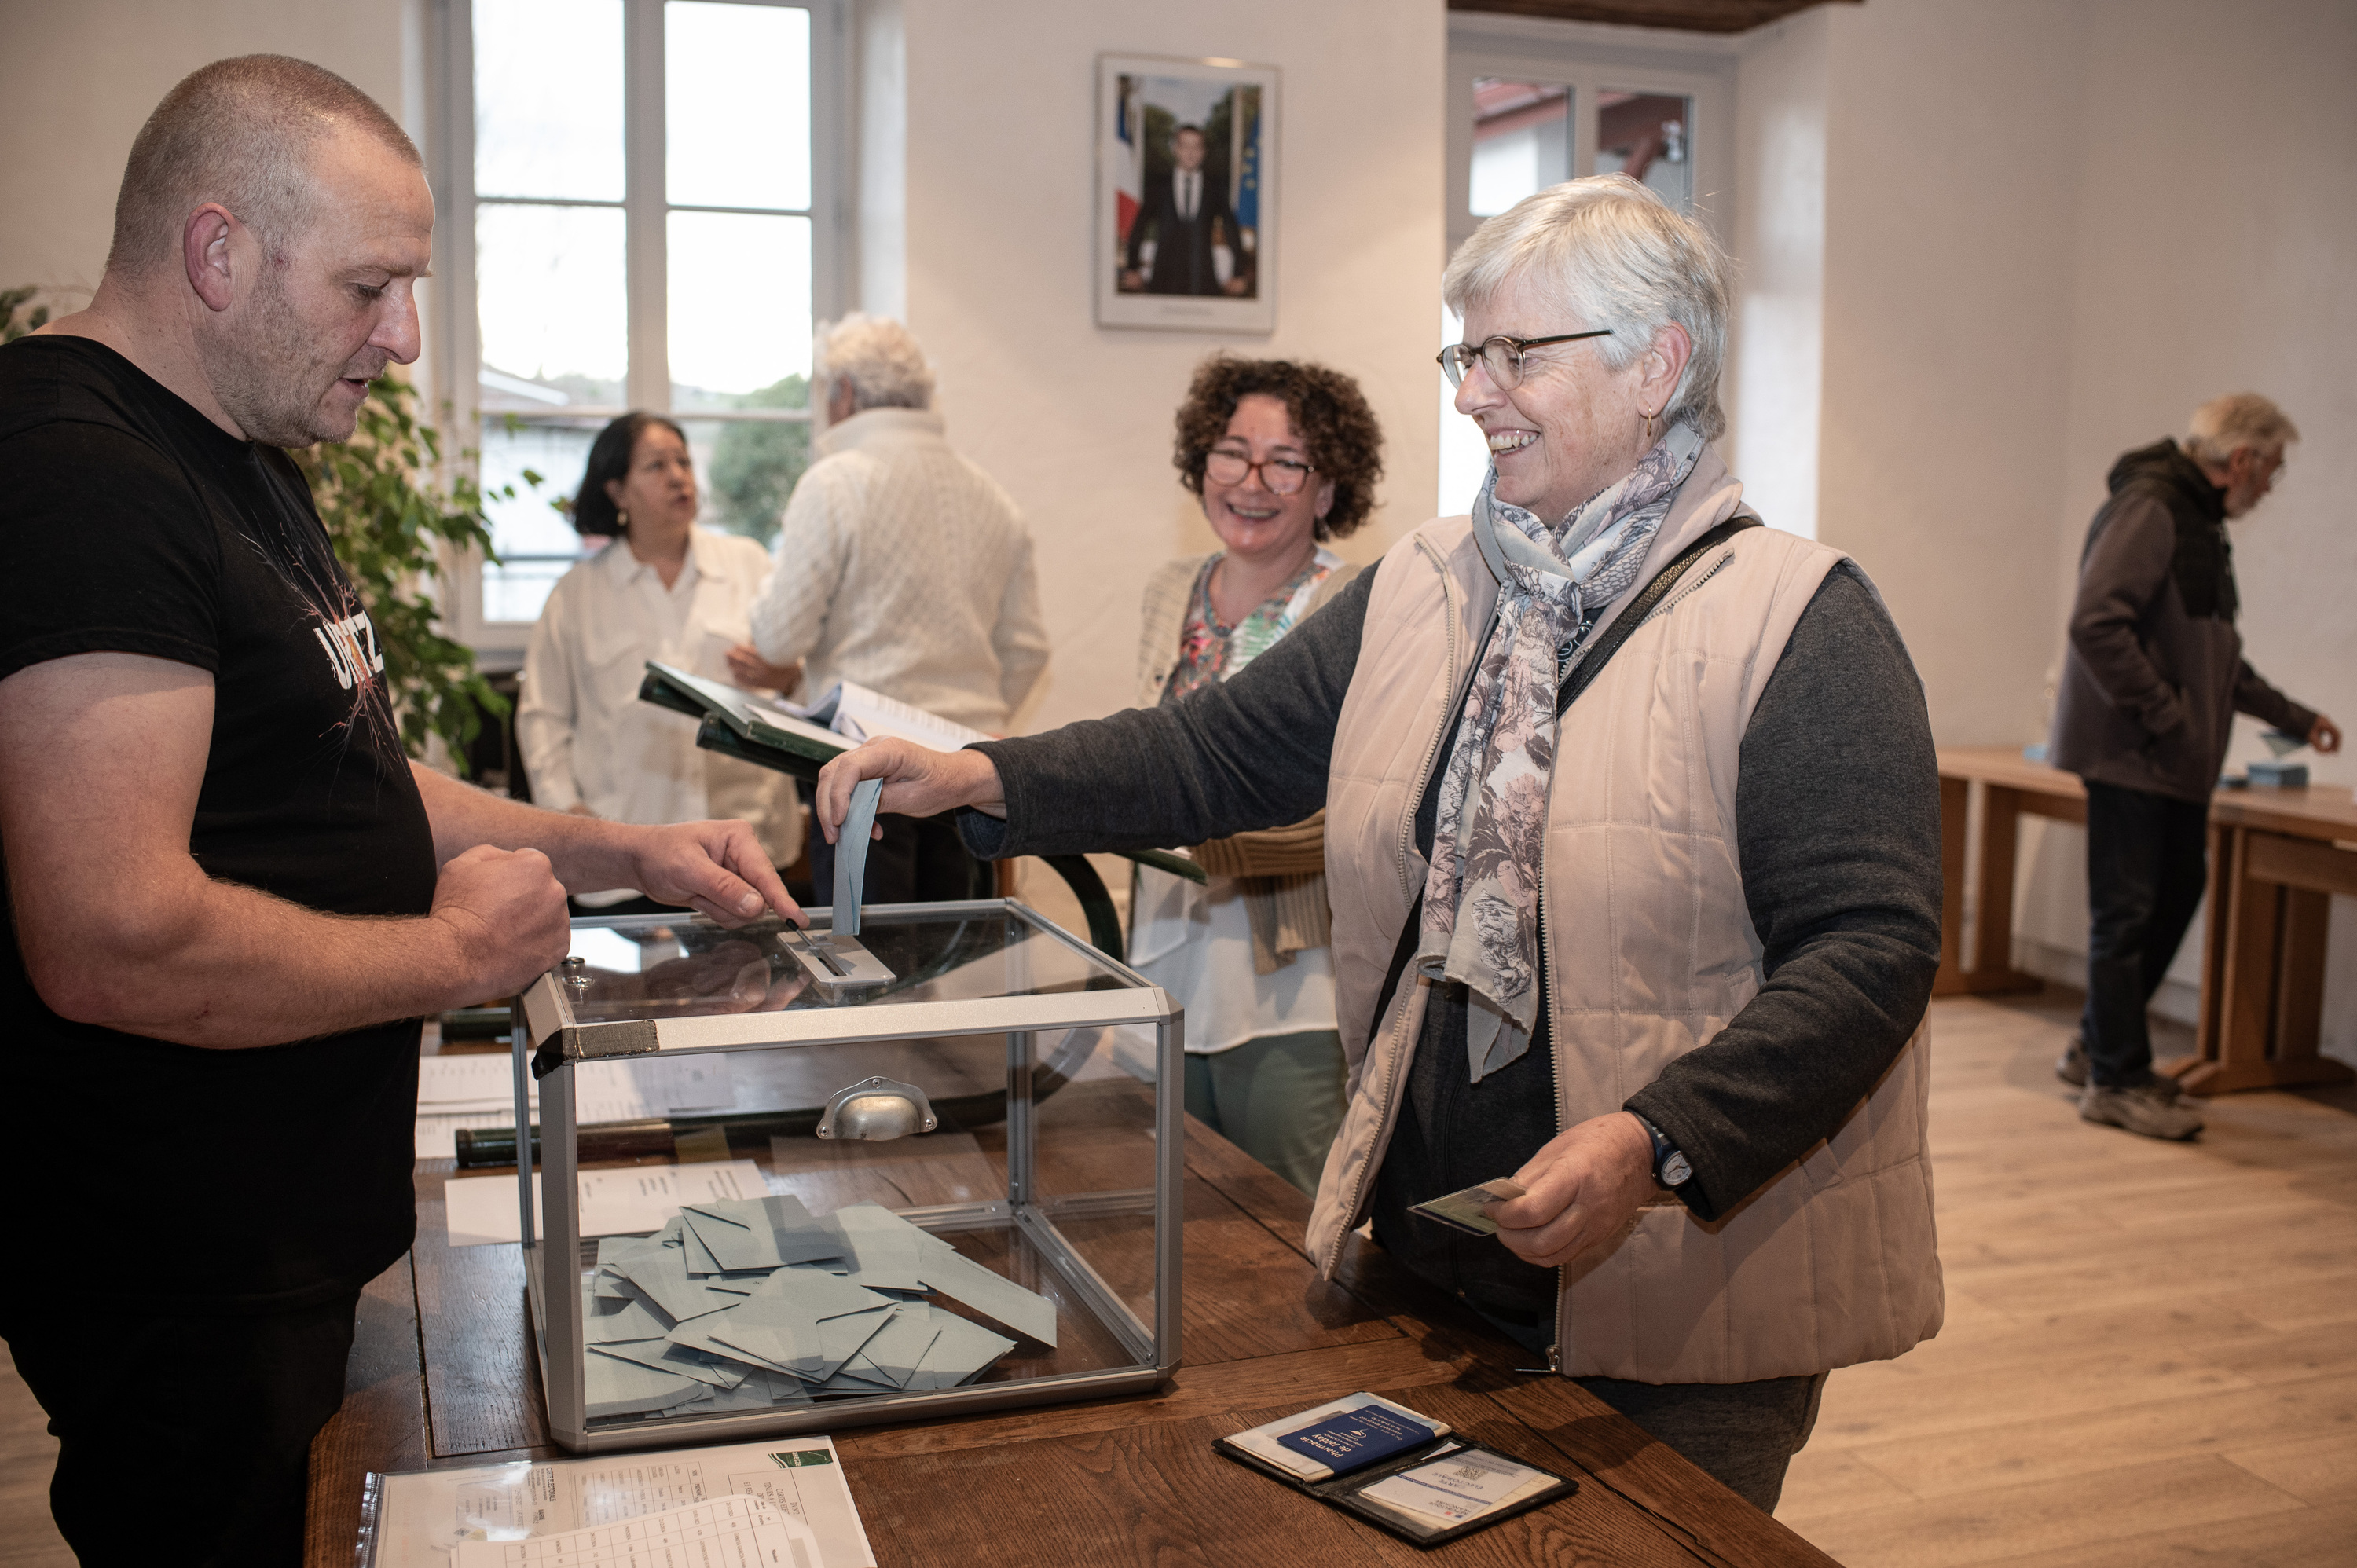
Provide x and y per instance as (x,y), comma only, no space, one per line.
(1283,475)
(1502,357)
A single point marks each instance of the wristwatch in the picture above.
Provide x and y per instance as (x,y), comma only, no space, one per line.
(1672,1169)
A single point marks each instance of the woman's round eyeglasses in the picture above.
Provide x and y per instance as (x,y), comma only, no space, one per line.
(1501,357)
(1283,475)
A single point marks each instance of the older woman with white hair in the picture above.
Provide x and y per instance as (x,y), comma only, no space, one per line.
(904,568)
(1632,843)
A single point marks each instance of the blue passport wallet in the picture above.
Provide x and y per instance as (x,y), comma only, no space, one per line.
(1395,1467)
(1338,1436)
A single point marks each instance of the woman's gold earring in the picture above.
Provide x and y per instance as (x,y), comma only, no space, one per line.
(1649,427)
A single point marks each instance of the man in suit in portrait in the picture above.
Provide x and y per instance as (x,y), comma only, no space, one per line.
(1186,214)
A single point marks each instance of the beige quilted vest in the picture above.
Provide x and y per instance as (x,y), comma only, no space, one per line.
(1650,952)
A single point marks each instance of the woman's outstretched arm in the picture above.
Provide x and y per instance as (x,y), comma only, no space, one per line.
(1247,753)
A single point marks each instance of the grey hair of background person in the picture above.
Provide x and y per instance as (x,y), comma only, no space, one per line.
(2224,425)
(877,357)
(238,132)
(1610,252)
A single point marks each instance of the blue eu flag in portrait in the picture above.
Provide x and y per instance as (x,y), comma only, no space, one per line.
(1248,180)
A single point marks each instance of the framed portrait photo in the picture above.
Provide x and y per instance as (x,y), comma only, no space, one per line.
(1185,237)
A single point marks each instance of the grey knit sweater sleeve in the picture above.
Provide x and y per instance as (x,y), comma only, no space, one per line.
(1230,757)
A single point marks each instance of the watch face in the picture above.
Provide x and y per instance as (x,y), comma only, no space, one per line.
(1677,1170)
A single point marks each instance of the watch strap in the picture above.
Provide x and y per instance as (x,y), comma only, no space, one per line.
(1672,1169)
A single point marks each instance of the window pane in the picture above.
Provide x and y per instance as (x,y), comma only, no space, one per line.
(518,591)
(737,95)
(1644,136)
(744,470)
(1522,141)
(537,542)
(551,301)
(741,305)
(548,98)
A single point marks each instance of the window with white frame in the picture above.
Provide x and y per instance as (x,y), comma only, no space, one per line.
(642,218)
(1533,103)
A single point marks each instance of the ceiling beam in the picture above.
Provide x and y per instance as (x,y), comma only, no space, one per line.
(1684,16)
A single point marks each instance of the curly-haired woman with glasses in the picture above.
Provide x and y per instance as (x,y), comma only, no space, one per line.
(1285,456)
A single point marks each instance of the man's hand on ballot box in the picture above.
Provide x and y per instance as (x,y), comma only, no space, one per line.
(506,916)
(716,868)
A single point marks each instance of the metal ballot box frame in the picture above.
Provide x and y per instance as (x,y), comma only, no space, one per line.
(1011,1092)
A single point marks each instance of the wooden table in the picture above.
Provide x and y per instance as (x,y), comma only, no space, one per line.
(2276,858)
(2009,786)
(439,1375)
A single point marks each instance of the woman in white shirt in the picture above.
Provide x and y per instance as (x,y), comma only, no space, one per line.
(1284,456)
(664,589)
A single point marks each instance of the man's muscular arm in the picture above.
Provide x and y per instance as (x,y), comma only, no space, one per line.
(101,756)
(717,868)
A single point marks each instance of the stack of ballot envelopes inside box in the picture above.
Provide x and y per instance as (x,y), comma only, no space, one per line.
(750,1302)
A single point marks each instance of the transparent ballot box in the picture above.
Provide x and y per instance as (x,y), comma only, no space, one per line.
(791,1181)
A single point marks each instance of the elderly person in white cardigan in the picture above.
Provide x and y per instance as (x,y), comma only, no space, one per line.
(1632,843)
(903,567)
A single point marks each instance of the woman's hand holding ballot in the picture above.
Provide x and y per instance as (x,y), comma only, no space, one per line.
(917,783)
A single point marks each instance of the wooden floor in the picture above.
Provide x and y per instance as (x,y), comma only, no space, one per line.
(27,1452)
(2151,1353)
(2151,1348)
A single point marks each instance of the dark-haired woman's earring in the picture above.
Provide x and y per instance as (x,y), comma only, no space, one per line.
(622,513)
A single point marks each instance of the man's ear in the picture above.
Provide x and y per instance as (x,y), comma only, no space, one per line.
(205,252)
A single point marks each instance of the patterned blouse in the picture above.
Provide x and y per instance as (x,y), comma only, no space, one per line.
(1210,651)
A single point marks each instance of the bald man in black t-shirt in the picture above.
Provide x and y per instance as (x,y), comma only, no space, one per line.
(232,895)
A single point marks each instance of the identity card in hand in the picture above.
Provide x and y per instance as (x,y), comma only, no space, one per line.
(1462,1210)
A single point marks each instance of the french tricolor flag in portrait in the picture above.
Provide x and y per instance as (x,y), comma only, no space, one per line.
(1129,174)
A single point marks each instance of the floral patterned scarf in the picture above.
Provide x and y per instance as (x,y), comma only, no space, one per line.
(1481,898)
(1209,653)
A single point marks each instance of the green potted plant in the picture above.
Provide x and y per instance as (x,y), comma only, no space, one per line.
(385,514)
(13,300)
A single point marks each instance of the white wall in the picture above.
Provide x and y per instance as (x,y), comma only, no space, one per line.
(880,43)
(1777,362)
(77,78)
(2217,223)
(2049,230)
(1075,420)
(2216,218)
(2035,232)
(1950,181)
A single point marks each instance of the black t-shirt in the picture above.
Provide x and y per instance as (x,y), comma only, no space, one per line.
(248,1179)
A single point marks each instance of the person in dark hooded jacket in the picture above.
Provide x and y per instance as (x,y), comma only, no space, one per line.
(2151,683)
